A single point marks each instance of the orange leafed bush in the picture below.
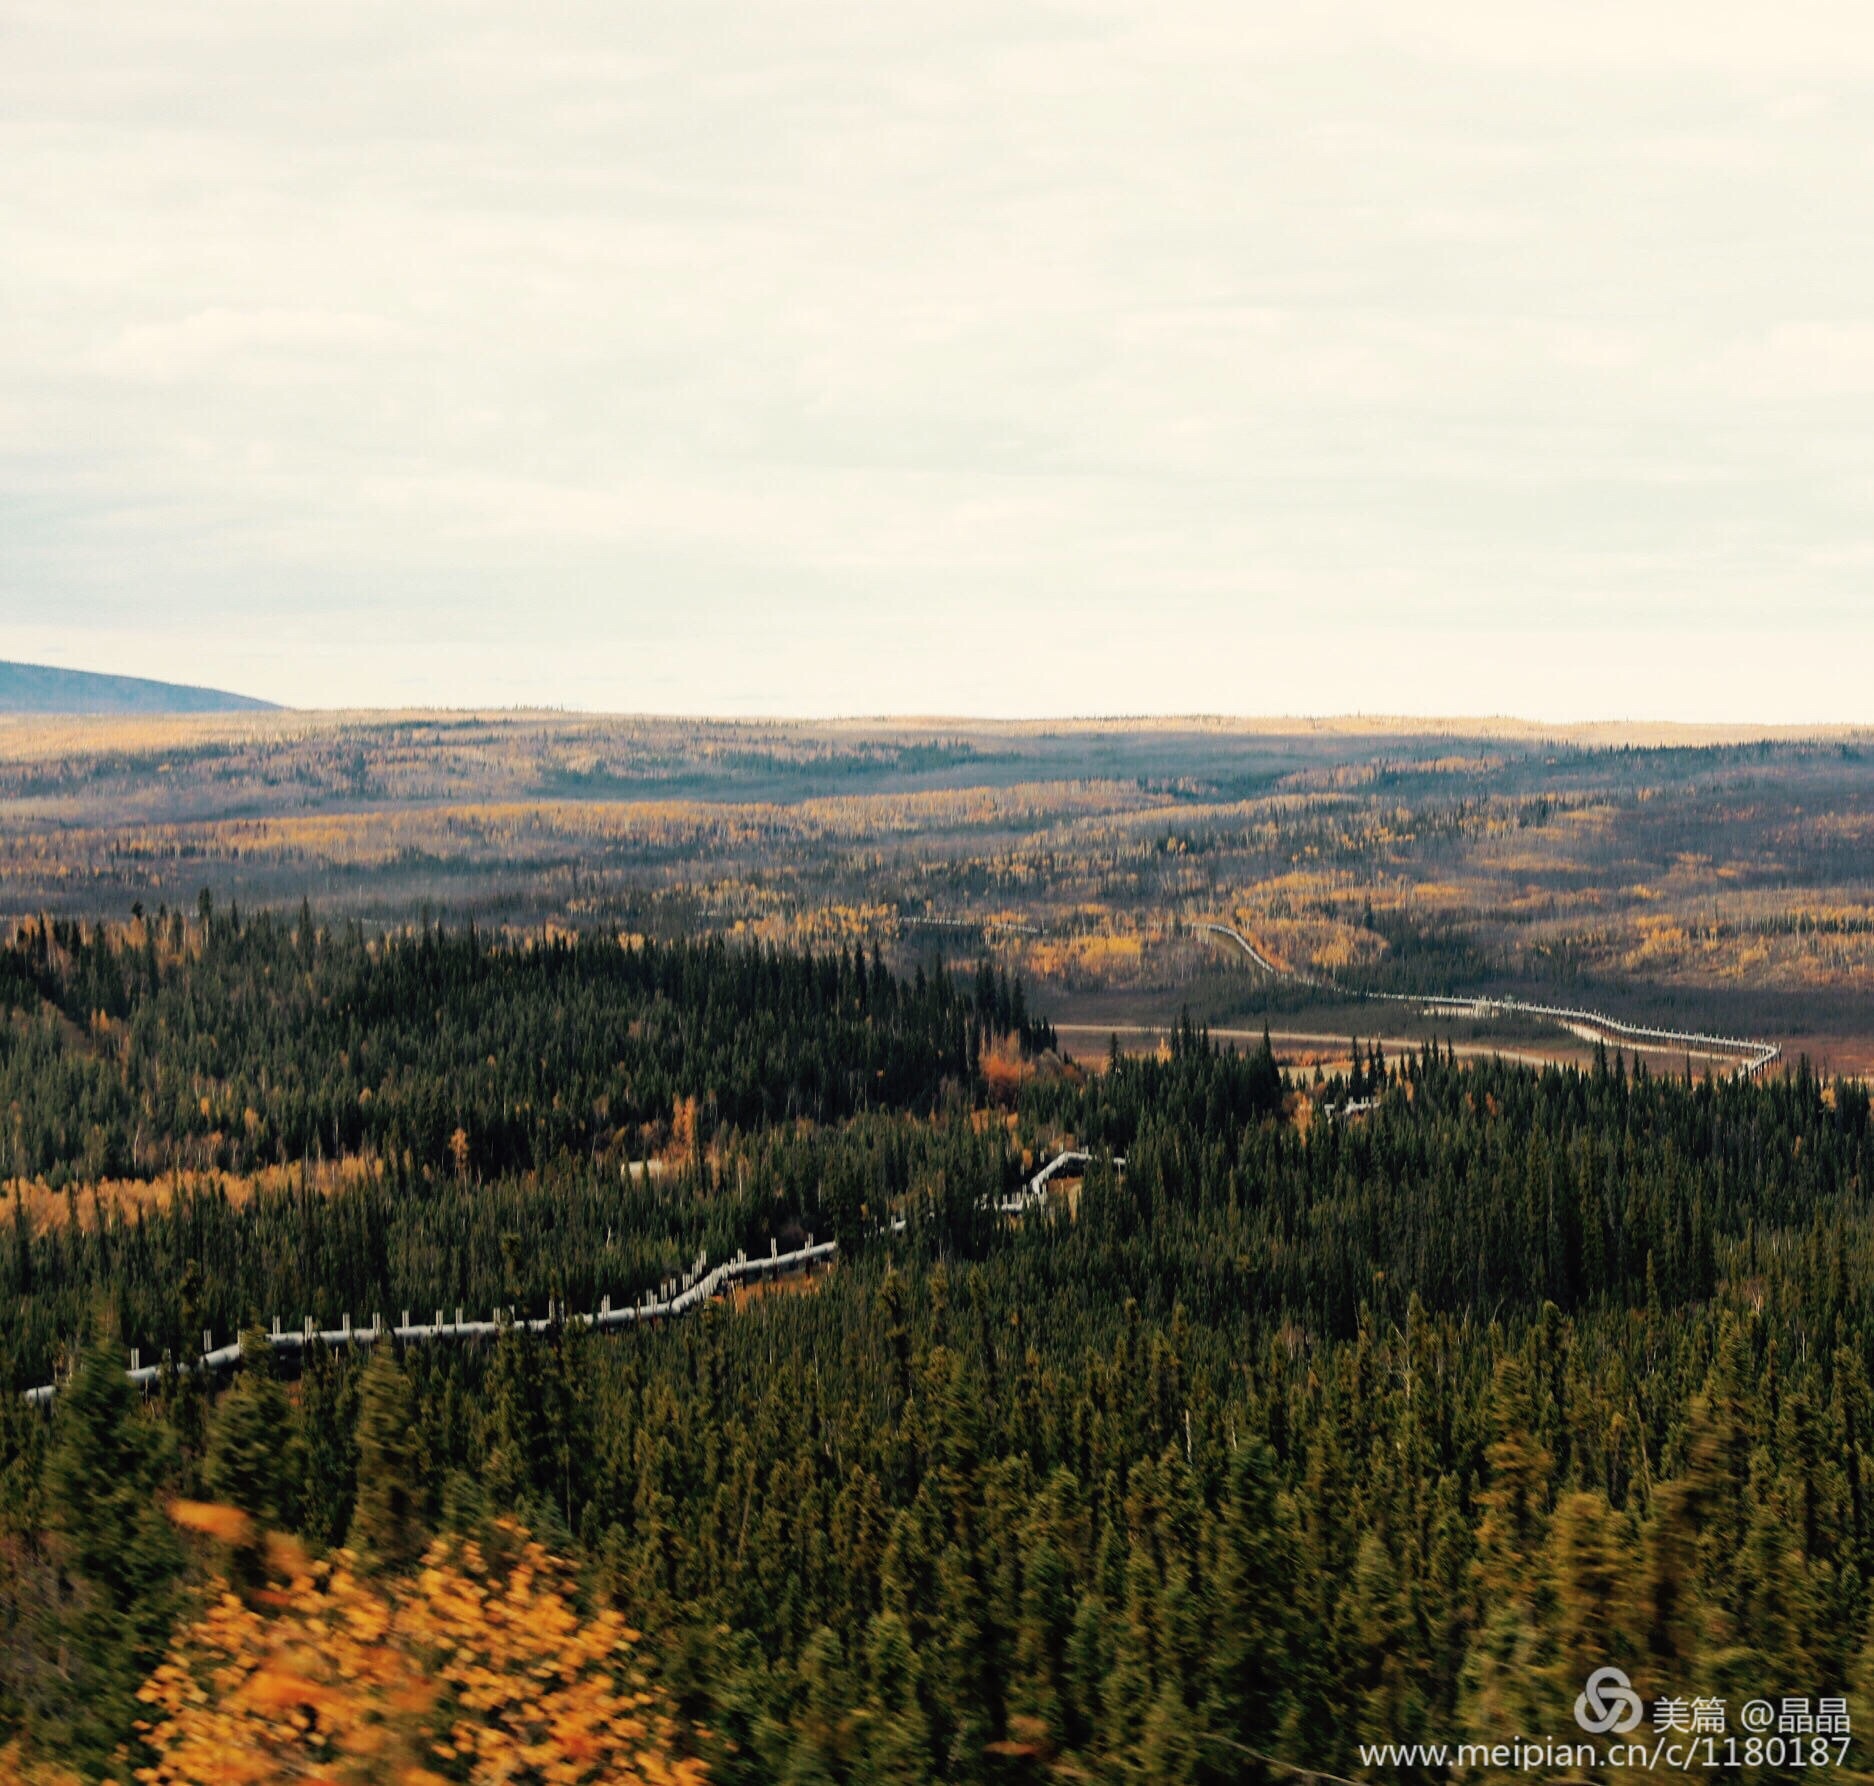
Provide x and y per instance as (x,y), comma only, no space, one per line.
(463,1672)
(1003,1069)
(229,1524)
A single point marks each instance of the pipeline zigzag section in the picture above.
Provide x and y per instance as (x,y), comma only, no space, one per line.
(1751,1056)
(681,1295)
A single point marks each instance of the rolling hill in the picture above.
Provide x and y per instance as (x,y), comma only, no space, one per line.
(41,688)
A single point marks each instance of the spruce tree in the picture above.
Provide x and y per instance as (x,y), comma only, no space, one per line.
(106,1475)
(253,1459)
(387,1526)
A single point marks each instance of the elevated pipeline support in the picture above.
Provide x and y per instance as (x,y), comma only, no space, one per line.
(681,1295)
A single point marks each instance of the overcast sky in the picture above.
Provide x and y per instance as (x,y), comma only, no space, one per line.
(968,357)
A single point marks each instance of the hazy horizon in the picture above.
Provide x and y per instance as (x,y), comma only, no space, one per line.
(1029,360)
(1639,730)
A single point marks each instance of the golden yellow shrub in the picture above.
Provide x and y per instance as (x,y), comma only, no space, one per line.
(464,1671)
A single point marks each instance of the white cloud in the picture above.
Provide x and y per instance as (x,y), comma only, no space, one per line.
(264,344)
(891,342)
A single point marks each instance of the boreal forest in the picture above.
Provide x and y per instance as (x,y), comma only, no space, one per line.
(1318,1410)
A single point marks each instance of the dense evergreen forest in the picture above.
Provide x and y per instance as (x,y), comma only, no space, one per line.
(1297,1433)
(230,1045)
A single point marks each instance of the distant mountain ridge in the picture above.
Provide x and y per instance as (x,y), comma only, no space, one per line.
(41,688)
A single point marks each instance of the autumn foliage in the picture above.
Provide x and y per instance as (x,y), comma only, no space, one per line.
(1005,1069)
(476,1668)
